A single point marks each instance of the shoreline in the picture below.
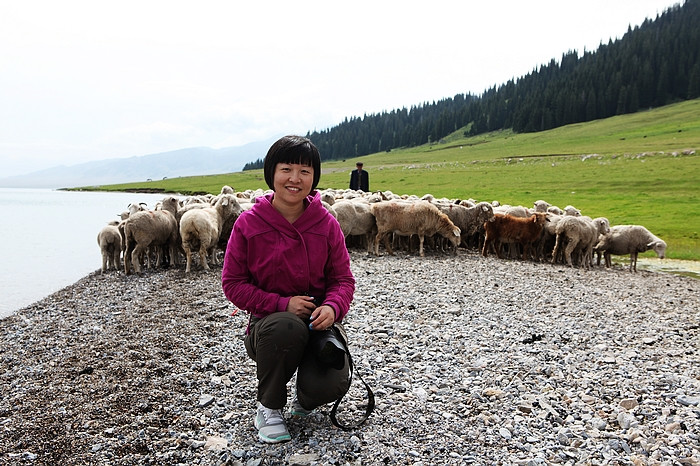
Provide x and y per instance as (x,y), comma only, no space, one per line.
(678,267)
(472,360)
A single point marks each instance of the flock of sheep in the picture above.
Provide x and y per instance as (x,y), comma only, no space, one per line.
(178,230)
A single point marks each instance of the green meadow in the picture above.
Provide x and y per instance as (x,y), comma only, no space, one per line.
(640,168)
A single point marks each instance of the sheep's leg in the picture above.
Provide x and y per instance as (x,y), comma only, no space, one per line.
(485,248)
(115,259)
(135,258)
(203,257)
(498,246)
(633,261)
(377,239)
(557,247)
(491,245)
(188,254)
(174,248)
(145,258)
(387,245)
(421,239)
(104,261)
(571,245)
(586,258)
(397,242)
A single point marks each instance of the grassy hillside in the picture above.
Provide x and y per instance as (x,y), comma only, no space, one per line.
(641,168)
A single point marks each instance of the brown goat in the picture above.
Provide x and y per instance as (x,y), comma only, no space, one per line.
(510,229)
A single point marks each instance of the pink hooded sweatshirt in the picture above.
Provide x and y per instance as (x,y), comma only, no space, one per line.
(268,260)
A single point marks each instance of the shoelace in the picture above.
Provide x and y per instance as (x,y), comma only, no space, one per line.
(272,416)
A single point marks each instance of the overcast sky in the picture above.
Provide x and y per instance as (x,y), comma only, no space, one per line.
(89,80)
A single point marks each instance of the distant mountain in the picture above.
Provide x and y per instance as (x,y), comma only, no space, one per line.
(183,162)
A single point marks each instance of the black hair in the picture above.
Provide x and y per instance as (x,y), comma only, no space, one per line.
(292,149)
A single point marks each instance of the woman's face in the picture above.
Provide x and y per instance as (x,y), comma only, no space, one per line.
(292,182)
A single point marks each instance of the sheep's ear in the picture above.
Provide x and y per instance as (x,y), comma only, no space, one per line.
(484,208)
(224,201)
(651,245)
(456,232)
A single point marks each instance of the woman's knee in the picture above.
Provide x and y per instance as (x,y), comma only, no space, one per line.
(284,329)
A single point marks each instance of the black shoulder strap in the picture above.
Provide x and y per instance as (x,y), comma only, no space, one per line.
(370,397)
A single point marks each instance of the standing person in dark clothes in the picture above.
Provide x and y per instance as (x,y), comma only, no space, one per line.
(359,179)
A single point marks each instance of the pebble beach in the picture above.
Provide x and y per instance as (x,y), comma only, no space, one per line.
(472,360)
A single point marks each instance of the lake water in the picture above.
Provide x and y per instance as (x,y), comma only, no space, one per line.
(50,239)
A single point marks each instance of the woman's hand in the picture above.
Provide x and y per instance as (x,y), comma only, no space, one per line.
(301,306)
(322,318)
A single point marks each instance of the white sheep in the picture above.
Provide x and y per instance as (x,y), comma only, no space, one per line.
(518,211)
(545,246)
(200,229)
(572,211)
(133,208)
(328,197)
(629,239)
(356,219)
(555,210)
(151,229)
(470,220)
(580,234)
(412,218)
(110,241)
(541,206)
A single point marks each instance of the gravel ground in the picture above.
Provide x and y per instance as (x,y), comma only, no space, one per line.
(473,361)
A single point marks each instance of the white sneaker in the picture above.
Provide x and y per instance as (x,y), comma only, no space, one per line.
(270,425)
(298,410)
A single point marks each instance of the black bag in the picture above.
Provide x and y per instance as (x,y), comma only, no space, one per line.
(330,348)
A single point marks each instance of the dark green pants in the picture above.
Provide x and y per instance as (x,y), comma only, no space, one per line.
(278,344)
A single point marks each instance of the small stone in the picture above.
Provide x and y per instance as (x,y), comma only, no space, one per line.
(629,403)
(626,420)
(688,400)
(563,439)
(493,392)
(215,443)
(197,444)
(306,458)
(205,400)
(421,394)
(525,408)
(672,427)
(599,423)
(505,433)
